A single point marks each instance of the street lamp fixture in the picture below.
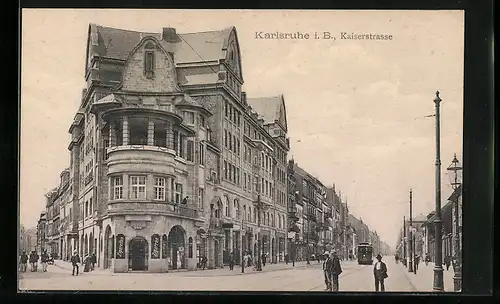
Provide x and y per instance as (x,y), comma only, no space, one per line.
(456,180)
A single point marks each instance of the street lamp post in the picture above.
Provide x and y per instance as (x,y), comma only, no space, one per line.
(438,267)
(410,238)
(404,239)
(455,183)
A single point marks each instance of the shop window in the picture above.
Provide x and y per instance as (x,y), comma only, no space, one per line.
(164,247)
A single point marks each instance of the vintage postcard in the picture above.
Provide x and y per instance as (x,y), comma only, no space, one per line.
(241,150)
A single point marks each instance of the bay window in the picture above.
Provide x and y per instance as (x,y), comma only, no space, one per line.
(178,193)
(117,187)
(159,188)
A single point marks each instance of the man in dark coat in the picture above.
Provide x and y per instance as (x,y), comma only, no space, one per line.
(333,270)
(231,261)
(44,259)
(23,261)
(380,273)
(93,260)
(75,259)
(263,259)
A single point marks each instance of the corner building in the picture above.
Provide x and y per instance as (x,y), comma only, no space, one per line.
(169,160)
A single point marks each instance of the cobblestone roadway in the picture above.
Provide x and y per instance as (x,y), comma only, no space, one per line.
(355,278)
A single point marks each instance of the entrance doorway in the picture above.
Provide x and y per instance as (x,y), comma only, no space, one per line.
(108,250)
(138,254)
(176,244)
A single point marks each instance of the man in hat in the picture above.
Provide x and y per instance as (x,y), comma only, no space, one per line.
(333,270)
(380,273)
(75,259)
(327,277)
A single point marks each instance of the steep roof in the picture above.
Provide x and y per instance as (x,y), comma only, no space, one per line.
(267,107)
(191,48)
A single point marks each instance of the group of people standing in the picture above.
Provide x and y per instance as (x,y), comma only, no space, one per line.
(332,270)
(33,259)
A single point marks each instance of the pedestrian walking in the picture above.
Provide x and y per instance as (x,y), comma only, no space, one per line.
(417,261)
(23,261)
(33,258)
(380,273)
(263,259)
(86,263)
(327,277)
(44,259)
(333,269)
(427,259)
(286,258)
(75,259)
(447,262)
(231,261)
(93,260)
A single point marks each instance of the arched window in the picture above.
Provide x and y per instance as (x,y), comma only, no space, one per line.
(236,209)
(226,206)
(272,220)
(244,212)
(255,215)
(249,218)
(190,243)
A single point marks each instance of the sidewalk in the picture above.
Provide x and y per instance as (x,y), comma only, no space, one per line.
(201,273)
(69,267)
(248,270)
(424,279)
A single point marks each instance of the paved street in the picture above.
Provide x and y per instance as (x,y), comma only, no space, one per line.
(279,277)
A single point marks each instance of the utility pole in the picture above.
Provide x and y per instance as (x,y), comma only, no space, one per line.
(404,238)
(410,239)
(438,267)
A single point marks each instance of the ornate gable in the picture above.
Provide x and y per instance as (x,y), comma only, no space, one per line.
(149,68)
(282,114)
(233,55)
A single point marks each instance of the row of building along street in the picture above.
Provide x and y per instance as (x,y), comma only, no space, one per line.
(171,162)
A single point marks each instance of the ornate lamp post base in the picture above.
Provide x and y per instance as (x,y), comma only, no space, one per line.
(438,279)
(457,279)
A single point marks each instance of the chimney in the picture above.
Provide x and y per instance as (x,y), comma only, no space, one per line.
(169,35)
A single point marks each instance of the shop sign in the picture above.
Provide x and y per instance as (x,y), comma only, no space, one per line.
(155,246)
(120,246)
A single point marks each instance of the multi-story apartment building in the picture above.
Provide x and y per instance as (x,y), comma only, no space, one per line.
(169,161)
(41,231)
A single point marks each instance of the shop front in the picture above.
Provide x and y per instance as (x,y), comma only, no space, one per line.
(148,244)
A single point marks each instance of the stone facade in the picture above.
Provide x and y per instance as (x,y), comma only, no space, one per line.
(149,187)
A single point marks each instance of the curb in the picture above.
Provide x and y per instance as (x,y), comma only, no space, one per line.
(248,273)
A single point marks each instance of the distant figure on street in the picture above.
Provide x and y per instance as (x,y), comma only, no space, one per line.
(86,263)
(23,261)
(333,270)
(396,258)
(93,260)
(44,259)
(380,273)
(263,259)
(417,261)
(203,262)
(231,261)
(286,258)
(75,259)
(427,259)
(447,262)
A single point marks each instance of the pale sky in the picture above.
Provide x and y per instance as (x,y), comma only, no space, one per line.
(351,105)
